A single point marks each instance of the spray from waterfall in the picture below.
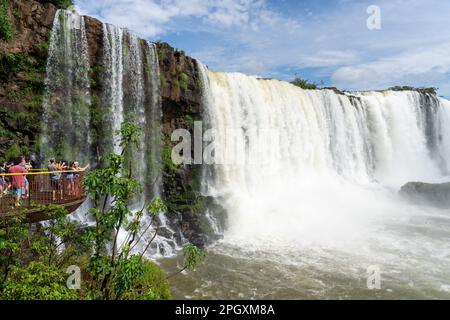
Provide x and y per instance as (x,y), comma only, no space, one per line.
(328,165)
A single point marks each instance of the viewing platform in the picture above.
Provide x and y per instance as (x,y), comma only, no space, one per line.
(42,189)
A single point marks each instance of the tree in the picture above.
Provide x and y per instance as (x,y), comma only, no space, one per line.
(117,267)
(33,261)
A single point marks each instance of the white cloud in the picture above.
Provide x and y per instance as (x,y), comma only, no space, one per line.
(418,66)
(256,36)
(151,17)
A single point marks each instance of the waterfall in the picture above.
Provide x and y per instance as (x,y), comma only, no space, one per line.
(154,116)
(113,74)
(66,132)
(313,165)
(132,93)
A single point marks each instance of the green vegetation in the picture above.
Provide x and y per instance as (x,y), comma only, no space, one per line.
(126,49)
(430,90)
(34,264)
(167,159)
(37,281)
(162,81)
(96,75)
(13,151)
(6,32)
(31,264)
(19,117)
(183,81)
(159,51)
(304,84)
(191,63)
(13,63)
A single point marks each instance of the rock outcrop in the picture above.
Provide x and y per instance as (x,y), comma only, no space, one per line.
(435,194)
(22,73)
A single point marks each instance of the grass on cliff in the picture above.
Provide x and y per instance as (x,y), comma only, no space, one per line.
(6,33)
(304,84)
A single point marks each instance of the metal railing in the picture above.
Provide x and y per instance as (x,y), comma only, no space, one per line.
(42,188)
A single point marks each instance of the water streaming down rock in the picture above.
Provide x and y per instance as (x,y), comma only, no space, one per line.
(66,132)
(153,115)
(313,165)
(112,94)
(132,92)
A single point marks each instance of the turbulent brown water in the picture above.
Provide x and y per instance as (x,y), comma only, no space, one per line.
(411,253)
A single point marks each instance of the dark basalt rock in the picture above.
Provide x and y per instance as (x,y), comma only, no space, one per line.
(427,193)
(22,73)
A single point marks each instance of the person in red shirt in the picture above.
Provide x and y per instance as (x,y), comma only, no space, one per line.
(17,181)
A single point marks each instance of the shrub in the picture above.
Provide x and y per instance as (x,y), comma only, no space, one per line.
(152,284)
(304,84)
(6,33)
(183,81)
(38,281)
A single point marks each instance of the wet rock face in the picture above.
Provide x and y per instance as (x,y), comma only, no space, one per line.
(427,193)
(22,74)
(31,22)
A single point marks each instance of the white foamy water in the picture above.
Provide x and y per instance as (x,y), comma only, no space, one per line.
(321,205)
(66,117)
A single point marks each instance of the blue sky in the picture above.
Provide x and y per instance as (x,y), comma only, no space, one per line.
(324,41)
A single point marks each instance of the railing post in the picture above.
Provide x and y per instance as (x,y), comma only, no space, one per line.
(30,184)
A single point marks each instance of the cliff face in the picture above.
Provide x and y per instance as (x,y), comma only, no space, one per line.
(181,98)
(22,75)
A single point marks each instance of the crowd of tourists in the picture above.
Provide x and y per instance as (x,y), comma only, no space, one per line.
(62,177)
(61,172)
(16,184)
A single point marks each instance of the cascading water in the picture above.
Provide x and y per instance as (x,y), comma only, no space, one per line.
(154,116)
(113,89)
(66,132)
(133,94)
(271,135)
(130,92)
(309,179)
